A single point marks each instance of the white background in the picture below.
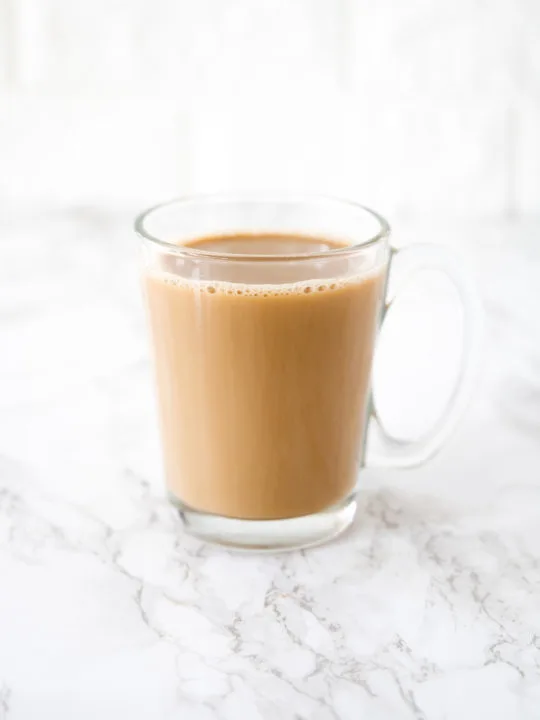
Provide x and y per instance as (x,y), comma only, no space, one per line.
(418,108)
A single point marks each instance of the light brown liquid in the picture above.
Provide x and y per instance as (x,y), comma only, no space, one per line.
(263,388)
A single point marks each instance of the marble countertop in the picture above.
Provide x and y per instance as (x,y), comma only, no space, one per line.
(429,609)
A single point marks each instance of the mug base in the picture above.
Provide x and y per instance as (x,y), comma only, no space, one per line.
(268,535)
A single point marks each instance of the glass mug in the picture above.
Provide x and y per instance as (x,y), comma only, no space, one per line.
(263,362)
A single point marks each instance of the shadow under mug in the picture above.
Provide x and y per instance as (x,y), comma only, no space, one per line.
(263,363)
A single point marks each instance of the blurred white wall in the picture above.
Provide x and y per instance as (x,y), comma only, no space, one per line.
(416,107)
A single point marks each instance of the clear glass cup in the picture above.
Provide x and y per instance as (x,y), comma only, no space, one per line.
(263,364)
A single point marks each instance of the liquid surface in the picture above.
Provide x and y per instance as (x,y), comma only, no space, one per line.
(265,244)
(263,388)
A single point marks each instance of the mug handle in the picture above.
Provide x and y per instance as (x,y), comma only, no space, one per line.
(383,449)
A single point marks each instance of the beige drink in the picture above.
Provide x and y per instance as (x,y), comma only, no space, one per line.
(263,382)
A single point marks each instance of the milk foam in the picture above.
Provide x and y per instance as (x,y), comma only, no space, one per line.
(222,287)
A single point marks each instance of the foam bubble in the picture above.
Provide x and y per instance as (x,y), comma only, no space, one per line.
(222,287)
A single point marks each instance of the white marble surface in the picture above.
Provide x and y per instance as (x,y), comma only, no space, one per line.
(428,609)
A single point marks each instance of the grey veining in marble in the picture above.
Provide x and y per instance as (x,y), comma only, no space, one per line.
(427,609)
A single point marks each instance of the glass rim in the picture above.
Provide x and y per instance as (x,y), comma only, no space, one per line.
(382,233)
